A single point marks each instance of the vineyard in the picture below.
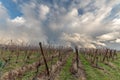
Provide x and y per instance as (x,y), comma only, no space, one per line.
(48,62)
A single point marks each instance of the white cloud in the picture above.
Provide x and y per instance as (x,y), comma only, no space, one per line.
(8,31)
(73,12)
(43,11)
(116,21)
(109,36)
(18,20)
(14,1)
(117,41)
(78,39)
(62,22)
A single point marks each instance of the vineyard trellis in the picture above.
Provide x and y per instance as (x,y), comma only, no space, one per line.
(32,58)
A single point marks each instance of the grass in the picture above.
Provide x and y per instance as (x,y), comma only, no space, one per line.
(12,64)
(30,74)
(65,73)
(91,72)
(96,74)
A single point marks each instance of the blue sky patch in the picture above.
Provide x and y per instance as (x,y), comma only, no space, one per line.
(13,9)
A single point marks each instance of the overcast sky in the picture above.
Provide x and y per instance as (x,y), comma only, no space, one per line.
(86,23)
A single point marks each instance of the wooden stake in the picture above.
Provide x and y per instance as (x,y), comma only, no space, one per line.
(48,73)
(77,57)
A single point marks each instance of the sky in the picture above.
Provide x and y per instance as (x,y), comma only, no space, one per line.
(85,23)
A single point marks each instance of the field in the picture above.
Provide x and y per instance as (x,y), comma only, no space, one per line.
(58,63)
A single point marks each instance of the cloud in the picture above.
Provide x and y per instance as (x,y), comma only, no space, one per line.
(8,28)
(14,1)
(18,20)
(81,40)
(109,36)
(68,22)
(43,10)
(117,41)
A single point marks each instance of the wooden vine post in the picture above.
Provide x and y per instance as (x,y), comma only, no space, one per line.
(77,57)
(48,73)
